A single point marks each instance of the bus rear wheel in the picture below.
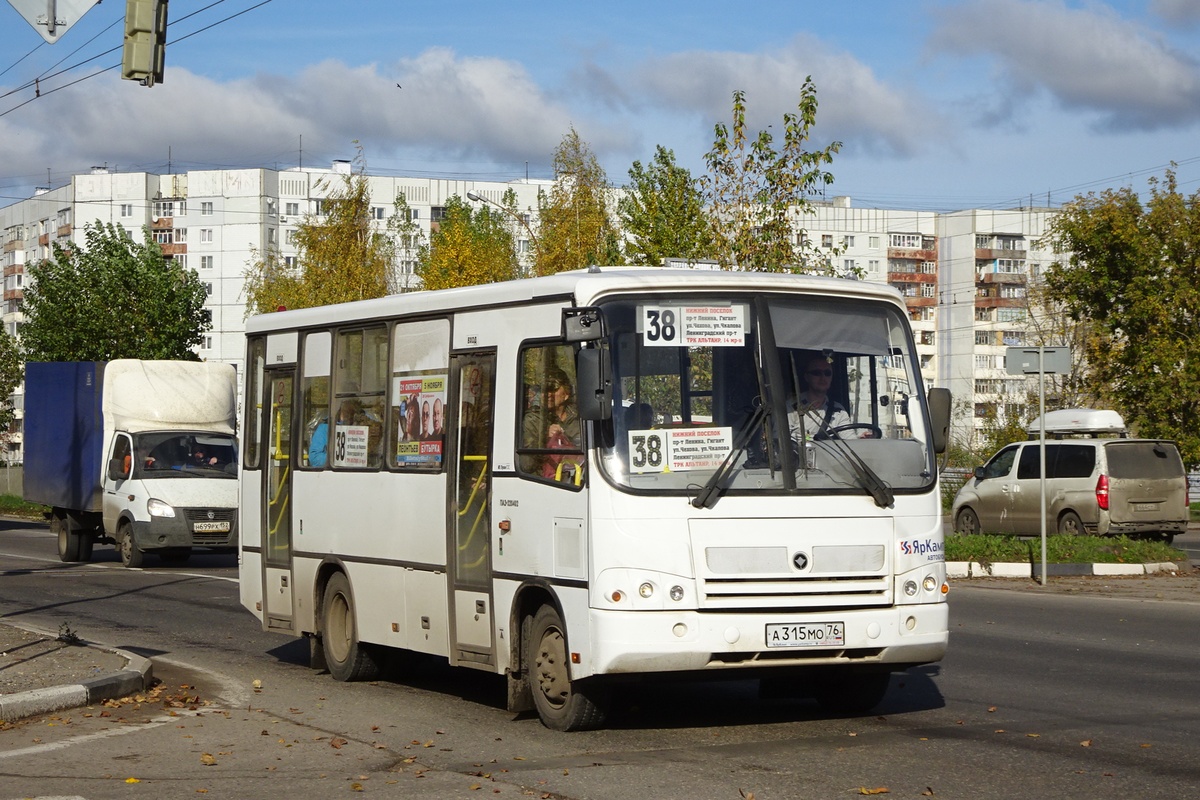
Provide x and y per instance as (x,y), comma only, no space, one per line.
(347,658)
(562,704)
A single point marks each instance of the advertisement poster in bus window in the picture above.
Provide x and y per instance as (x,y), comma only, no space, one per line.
(423,420)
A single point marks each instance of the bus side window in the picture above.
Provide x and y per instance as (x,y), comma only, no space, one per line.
(551,435)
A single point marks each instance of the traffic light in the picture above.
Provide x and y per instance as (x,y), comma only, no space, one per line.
(145,41)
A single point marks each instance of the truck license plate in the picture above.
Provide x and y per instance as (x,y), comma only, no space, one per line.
(210,527)
(806,634)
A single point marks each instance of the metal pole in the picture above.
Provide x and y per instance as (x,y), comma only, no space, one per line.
(1042,447)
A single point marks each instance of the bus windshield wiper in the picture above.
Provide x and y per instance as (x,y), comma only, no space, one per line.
(708,495)
(869,479)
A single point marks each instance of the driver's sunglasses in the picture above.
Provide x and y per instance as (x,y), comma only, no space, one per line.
(828,373)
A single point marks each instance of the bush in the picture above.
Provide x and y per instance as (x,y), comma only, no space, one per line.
(13,506)
(992,549)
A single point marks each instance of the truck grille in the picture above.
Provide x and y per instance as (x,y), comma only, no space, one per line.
(212,538)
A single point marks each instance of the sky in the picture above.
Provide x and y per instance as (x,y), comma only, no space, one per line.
(938,105)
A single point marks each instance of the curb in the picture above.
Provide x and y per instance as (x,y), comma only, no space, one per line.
(136,677)
(973,569)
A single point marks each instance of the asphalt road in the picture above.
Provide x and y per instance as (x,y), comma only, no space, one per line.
(1069,694)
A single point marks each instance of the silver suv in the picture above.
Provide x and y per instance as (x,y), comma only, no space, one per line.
(1135,487)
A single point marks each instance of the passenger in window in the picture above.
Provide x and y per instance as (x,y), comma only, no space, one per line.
(318,441)
(819,413)
(555,425)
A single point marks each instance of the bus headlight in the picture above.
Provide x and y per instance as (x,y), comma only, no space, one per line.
(930,583)
(157,508)
(676,593)
(646,590)
(910,588)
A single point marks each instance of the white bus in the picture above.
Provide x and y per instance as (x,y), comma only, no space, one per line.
(596,476)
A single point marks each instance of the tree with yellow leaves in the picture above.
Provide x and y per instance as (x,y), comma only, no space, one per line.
(468,247)
(340,255)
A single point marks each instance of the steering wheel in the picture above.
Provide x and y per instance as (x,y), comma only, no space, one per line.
(835,431)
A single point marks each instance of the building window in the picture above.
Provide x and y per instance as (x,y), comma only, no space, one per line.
(928,289)
(270,206)
(378,212)
(208,343)
(983,362)
(1011,314)
(206,262)
(126,209)
(911,241)
(826,240)
(164,208)
(206,235)
(437,213)
(206,209)
(270,236)
(292,209)
(1010,265)
(414,214)
(848,241)
(289,261)
(983,337)
(848,265)
(163,237)
(873,265)
(873,241)
(208,289)
(180,235)
(289,236)
(319,208)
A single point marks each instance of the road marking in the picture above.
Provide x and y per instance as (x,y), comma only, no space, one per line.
(113,567)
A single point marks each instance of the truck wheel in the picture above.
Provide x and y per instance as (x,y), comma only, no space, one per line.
(131,554)
(1069,524)
(73,546)
(347,658)
(847,691)
(562,704)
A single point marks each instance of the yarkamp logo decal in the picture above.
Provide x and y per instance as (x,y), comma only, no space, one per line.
(931,549)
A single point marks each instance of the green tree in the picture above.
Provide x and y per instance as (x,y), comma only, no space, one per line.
(11,373)
(574,226)
(340,256)
(468,247)
(1133,274)
(112,298)
(754,192)
(663,213)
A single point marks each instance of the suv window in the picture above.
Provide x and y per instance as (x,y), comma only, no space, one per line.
(1074,461)
(1001,463)
(1143,460)
(1030,461)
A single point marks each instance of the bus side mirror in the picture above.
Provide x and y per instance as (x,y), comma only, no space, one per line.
(939,418)
(593,372)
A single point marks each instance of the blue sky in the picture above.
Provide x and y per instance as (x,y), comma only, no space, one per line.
(939,104)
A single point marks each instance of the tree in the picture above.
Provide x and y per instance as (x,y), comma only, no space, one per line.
(574,228)
(663,213)
(754,192)
(340,255)
(468,247)
(112,298)
(1133,274)
(11,373)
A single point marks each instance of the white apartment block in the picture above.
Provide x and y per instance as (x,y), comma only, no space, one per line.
(963,275)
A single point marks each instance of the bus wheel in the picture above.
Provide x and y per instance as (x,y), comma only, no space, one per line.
(562,704)
(347,658)
(848,691)
(1070,524)
(131,554)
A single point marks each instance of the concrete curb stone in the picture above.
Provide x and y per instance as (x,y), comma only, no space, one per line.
(136,676)
(973,569)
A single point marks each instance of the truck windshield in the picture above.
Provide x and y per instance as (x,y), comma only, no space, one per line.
(169,454)
(776,394)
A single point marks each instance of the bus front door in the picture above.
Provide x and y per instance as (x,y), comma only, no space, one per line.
(470,526)
(277,527)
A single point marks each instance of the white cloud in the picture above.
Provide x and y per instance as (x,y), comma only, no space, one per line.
(1086,59)
(1178,12)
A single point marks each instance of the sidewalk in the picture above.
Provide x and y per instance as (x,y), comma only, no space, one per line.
(43,672)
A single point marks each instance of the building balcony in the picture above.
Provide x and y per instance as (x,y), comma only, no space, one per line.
(920,302)
(64,230)
(987,254)
(173,249)
(162,223)
(912,277)
(1003,277)
(13,294)
(14,245)
(912,254)
(1001,302)
(14,269)
(44,240)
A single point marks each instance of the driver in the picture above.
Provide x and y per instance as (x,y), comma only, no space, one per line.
(824,414)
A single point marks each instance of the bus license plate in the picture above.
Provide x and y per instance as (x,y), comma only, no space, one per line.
(210,527)
(806,634)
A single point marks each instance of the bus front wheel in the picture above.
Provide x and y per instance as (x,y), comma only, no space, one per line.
(347,658)
(562,704)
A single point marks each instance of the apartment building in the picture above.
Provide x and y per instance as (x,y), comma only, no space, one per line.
(963,275)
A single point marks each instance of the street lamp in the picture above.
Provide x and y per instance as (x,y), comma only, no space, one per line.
(478,198)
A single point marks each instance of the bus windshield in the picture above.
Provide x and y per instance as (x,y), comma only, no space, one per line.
(767,393)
